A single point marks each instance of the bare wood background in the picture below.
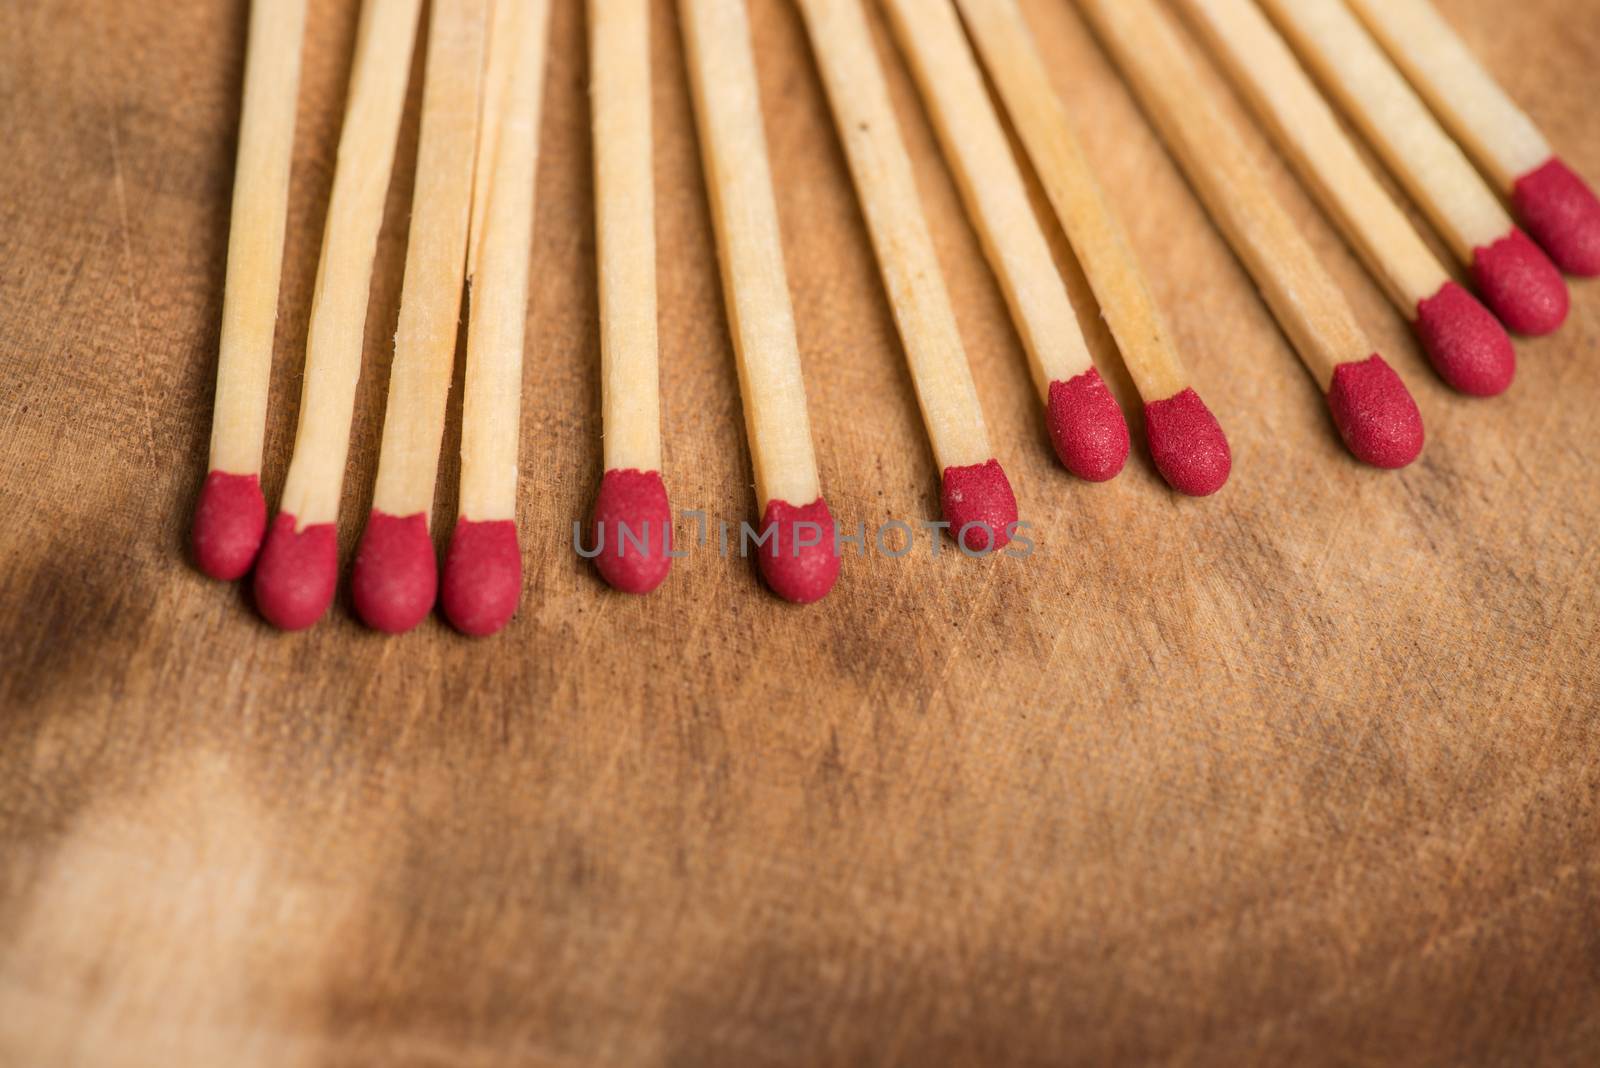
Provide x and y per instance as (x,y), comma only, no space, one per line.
(1303,773)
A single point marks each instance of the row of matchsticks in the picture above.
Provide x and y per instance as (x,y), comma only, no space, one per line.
(1393,66)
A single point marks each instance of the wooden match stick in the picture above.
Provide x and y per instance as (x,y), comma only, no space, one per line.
(483,568)
(632,515)
(232,515)
(1464,342)
(295,576)
(1086,426)
(396,576)
(755,288)
(1186,442)
(1374,412)
(976,496)
(1515,278)
(1556,206)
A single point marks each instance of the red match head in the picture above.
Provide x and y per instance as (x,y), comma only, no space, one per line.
(1466,345)
(1087,427)
(800,563)
(1374,412)
(297,572)
(395,577)
(1520,284)
(1563,215)
(1187,444)
(979,505)
(482,576)
(228,524)
(634,527)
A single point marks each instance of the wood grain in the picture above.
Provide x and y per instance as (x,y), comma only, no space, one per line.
(1304,773)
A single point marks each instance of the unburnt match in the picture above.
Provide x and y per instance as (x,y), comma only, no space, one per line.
(1186,442)
(1464,342)
(632,514)
(1086,426)
(1515,278)
(1556,206)
(1371,407)
(977,499)
(802,564)
(232,514)
(295,577)
(483,567)
(396,575)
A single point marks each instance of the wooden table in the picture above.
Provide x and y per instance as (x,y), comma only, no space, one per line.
(1304,773)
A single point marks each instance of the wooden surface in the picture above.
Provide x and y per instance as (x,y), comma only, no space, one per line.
(1304,773)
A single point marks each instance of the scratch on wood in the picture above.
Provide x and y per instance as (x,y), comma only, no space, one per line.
(956,649)
(133,295)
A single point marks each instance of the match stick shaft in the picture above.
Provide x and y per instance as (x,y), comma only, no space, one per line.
(864,117)
(256,233)
(755,285)
(1494,131)
(498,261)
(619,94)
(1014,63)
(1310,136)
(1305,300)
(503,17)
(344,275)
(1394,119)
(991,184)
(436,254)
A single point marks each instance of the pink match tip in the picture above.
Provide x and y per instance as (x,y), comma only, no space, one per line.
(1466,345)
(1374,412)
(228,524)
(979,506)
(1563,215)
(1520,284)
(1087,427)
(1187,444)
(482,576)
(801,570)
(634,528)
(296,573)
(395,577)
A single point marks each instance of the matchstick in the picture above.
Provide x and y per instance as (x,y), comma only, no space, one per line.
(1515,278)
(483,567)
(1371,407)
(976,496)
(1464,342)
(733,145)
(295,576)
(632,515)
(1086,426)
(396,575)
(1556,206)
(1186,442)
(232,515)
